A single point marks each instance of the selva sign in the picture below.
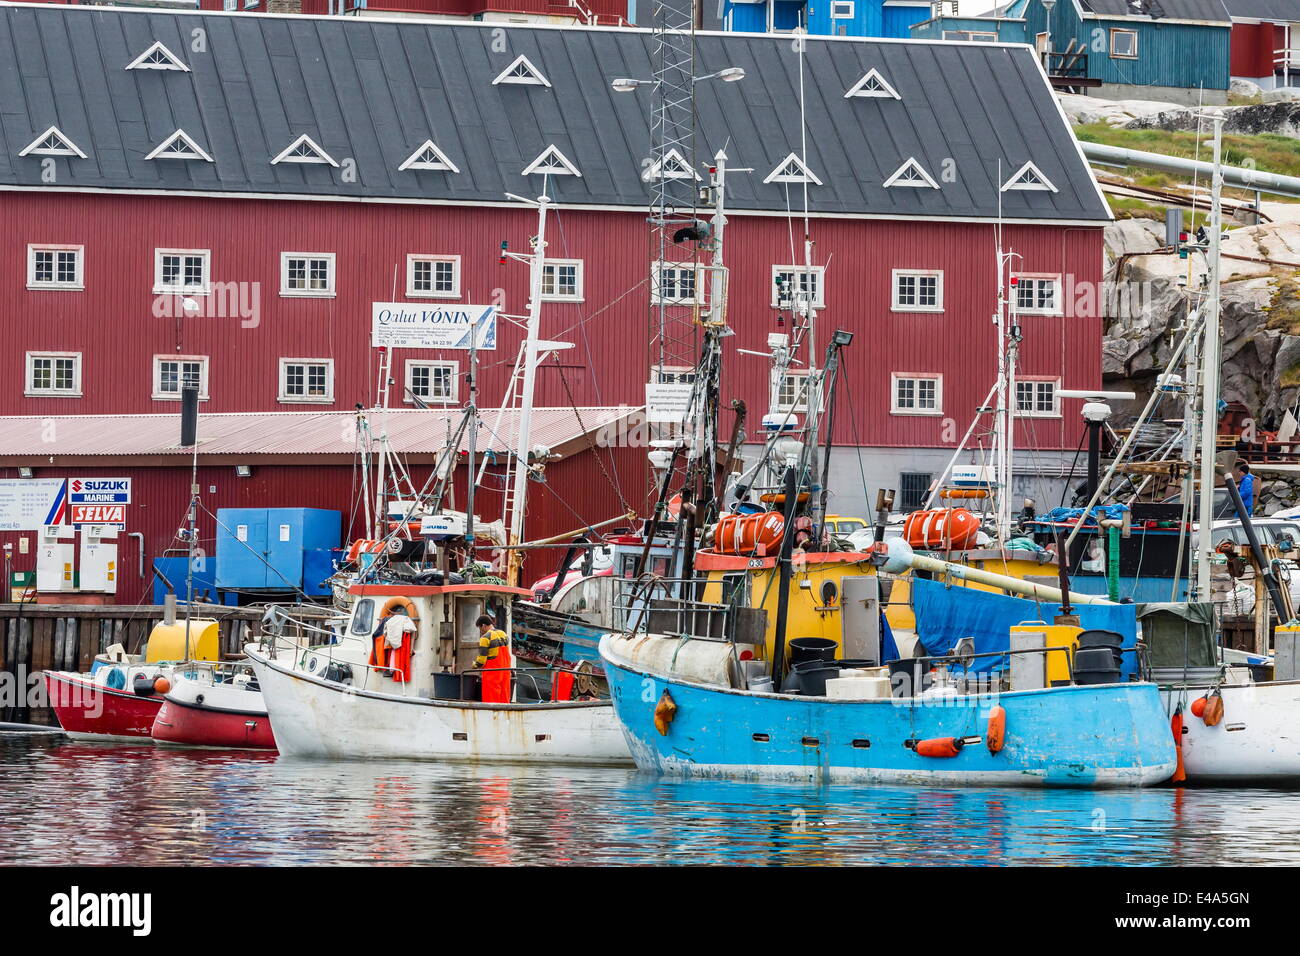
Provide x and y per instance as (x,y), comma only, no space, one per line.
(98,514)
(99,491)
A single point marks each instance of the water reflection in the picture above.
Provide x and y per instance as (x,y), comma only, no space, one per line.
(67,802)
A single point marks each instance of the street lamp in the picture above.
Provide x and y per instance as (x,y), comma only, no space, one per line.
(1048,5)
(731,74)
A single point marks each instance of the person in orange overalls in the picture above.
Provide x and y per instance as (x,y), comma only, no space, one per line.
(493,655)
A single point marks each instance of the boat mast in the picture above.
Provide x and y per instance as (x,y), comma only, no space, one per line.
(519,494)
(381,507)
(1210,372)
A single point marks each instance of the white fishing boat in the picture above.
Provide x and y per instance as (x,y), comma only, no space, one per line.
(422,690)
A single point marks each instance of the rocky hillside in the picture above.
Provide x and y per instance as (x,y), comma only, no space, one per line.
(1261,312)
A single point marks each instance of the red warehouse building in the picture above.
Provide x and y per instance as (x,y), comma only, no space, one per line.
(218,199)
(1265,41)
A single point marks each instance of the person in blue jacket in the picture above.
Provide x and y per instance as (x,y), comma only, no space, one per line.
(1245,485)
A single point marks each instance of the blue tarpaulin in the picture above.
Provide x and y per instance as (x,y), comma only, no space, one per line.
(944,615)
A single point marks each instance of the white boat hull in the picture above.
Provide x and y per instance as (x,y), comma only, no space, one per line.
(313,717)
(1258,738)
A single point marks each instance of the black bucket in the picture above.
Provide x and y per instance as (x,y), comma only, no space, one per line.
(902,675)
(1095,665)
(855,663)
(813,676)
(1112,640)
(811,649)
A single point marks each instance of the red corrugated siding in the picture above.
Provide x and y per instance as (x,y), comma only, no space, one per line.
(1253,46)
(574,493)
(461,8)
(112,323)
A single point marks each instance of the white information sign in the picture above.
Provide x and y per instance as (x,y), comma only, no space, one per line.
(30,504)
(667,402)
(404,325)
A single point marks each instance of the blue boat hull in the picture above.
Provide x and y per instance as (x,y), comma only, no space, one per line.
(1113,735)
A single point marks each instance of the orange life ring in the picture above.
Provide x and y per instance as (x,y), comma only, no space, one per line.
(996,735)
(404,603)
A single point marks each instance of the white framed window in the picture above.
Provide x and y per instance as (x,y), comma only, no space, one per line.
(918,290)
(56,267)
(1037,295)
(172,373)
(433,383)
(1036,398)
(672,374)
(562,280)
(916,394)
(229,5)
(791,285)
(181,271)
(970,35)
(1123,44)
(793,395)
(307,273)
(53,374)
(841,9)
(675,283)
(434,277)
(306,380)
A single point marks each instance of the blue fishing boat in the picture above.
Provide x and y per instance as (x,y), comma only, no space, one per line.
(1111,735)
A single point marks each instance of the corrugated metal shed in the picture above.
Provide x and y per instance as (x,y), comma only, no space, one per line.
(370,92)
(324,434)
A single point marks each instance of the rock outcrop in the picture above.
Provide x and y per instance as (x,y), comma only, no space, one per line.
(1151,293)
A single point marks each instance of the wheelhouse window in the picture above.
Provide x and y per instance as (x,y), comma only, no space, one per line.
(1123,44)
(431,382)
(430,276)
(55,267)
(1038,295)
(792,285)
(307,273)
(173,373)
(1037,398)
(917,394)
(54,374)
(306,380)
(918,291)
(562,280)
(181,271)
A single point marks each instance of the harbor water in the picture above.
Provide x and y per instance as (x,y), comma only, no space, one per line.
(92,804)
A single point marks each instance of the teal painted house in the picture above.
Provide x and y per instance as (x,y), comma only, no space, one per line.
(852,18)
(1177,50)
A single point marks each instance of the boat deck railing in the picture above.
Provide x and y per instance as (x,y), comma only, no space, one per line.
(660,605)
(921,666)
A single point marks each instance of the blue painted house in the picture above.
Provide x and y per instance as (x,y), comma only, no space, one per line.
(1176,50)
(853,18)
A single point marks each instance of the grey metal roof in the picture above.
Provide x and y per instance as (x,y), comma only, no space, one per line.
(370,92)
(1275,11)
(1208,10)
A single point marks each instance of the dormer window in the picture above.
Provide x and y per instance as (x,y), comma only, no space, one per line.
(792,169)
(873,84)
(157,57)
(429,157)
(911,173)
(304,150)
(522,72)
(672,166)
(1029,177)
(52,143)
(179,146)
(552,162)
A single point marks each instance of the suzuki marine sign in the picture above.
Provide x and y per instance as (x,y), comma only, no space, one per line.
(402,325)
(98,501)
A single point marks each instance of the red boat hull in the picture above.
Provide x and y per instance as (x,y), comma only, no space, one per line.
(85,708)
(198,726)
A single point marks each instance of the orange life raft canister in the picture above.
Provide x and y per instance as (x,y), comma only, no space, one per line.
(941,528)
(758,534)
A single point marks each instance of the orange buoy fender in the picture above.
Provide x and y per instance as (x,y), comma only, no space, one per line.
(939,747)
(1176,725)
(1213,712)
(995,737)
(1198,707)
(161,685)
(665,711)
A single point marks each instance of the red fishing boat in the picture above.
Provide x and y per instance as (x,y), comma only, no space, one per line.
(227,712)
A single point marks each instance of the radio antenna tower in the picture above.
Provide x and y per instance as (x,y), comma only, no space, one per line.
(673,182)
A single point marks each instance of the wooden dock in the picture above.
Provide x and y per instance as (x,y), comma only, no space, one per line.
(39,637)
